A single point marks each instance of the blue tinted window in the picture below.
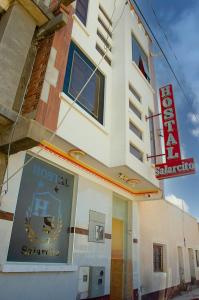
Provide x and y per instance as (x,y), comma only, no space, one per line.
(78,71)
(81,10)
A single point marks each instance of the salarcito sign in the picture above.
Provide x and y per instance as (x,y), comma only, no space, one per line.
(40,230)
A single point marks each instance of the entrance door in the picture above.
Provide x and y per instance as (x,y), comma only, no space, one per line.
(117,260)
(181,265)
(192,266)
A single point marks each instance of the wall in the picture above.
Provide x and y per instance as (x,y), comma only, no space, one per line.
(162,222)
(79,127)
(29,281)
(16,31)
(111,146)
(93,197)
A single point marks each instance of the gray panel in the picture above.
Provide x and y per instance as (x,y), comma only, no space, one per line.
(43,213)
(96,282)
(96,227)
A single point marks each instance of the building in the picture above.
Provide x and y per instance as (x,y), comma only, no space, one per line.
(169,249)
(79,166)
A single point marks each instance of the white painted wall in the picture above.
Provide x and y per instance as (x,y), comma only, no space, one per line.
(109,143)
(136,246)
(162,222)
(93,197)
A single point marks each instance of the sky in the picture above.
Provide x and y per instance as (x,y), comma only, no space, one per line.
(180,21)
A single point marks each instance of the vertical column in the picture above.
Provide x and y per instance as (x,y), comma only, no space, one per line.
(136,250)
(16,31)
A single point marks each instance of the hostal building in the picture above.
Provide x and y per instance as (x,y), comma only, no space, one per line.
(78,163)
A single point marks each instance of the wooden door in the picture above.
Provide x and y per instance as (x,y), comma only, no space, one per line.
(117,260)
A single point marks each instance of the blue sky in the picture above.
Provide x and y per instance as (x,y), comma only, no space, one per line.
(180,20)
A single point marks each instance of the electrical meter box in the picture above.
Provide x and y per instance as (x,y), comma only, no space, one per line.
(96,282)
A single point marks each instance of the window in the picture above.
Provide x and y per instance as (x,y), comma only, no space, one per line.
(135,94)
(81,10)
(135,110)
(136,152)
(136,130)
(78,71)
(140,58)
(152,136)
(105,15)
(197,258)
(157,258)
(43,214)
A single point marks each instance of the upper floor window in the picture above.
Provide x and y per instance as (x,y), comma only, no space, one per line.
(82,10)
(78,71)
(140,58)
(135,110)
(136,152)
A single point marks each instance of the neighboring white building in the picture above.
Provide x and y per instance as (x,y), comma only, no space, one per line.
(76,232)
(169,249)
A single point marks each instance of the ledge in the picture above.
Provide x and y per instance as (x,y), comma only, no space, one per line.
(78,108)
(37,267)
(80,24)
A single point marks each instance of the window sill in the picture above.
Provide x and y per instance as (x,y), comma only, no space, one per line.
(140,73)
(65,98)
(20,267)
(80,24)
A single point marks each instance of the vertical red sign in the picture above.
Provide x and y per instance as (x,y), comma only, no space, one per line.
(171,138)
(174,166)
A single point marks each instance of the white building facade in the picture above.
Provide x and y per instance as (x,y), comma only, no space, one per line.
(169,250)
(72,225)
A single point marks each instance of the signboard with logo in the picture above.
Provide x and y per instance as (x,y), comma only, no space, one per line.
(43,213)
(174,166)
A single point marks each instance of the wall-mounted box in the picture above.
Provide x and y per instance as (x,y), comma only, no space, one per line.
(83,282)
(96,282)
(96,227)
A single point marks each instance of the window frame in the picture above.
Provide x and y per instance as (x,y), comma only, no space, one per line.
(74,49)
(160,268)
(131,145)
(135,110)
(135,129)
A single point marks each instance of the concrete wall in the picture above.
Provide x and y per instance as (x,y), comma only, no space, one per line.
(16,31)
(90,194)
(164,223)
(93,197)
(112,138)
(47,286)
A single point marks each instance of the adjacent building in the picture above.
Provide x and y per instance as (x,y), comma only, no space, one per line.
(169,250)
(77,88)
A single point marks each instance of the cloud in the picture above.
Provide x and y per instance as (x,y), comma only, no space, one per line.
(194,119)
(186,47)
(195,132)
(180,203)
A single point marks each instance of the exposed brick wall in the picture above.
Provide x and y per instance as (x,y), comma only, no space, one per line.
(42,99)
(61,42)
(6,216)
(37,78)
